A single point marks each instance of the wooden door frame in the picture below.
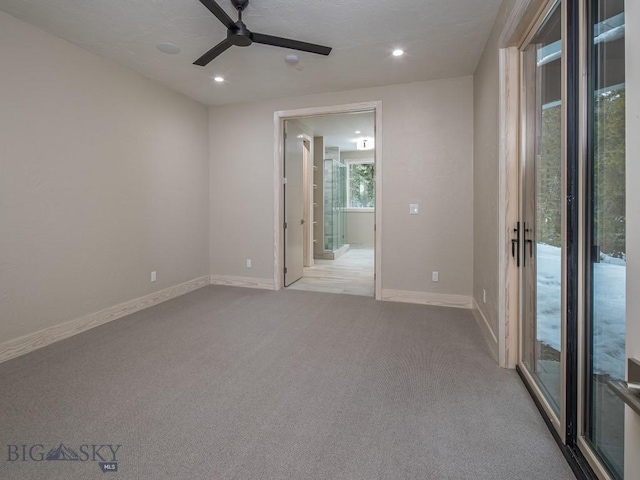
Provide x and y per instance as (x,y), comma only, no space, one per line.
(516,29)
(279,118)
(307,194)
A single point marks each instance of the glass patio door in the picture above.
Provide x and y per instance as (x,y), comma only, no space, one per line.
(541,228)
(571,237)
(605,232)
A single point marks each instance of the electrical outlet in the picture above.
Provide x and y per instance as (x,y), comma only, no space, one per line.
(484,295)
(248,263)
(154,276)
(434,276)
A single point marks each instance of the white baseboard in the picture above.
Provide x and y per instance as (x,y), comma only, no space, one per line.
(33,341)
(245,282)
(489,334)
(424,298)
(476,307)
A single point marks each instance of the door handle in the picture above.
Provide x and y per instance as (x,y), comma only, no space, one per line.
(527,241)
(515,244)
(629,391)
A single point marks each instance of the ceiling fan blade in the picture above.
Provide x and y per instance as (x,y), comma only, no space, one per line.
(219,13)
(288,43)
(213,53)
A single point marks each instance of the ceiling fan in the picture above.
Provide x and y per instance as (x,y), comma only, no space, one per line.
(238,34)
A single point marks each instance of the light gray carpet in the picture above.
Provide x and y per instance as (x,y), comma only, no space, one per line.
(227,383)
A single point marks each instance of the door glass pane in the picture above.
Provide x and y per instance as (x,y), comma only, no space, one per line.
(542,205)
(607,262)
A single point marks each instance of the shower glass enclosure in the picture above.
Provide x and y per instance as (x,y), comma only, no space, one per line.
(335,204)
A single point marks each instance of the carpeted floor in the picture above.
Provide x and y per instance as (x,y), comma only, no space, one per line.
(227,383)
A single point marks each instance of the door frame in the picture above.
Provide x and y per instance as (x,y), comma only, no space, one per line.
(559,421)
(632,425)
(279,118)
(523,19)
(307,194)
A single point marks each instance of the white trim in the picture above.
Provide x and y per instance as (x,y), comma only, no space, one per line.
(244,282)
(476,307)
(278,219)
(33,341)
(427,298)
(487,331)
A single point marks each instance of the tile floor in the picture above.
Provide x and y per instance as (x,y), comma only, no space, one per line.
(350,274)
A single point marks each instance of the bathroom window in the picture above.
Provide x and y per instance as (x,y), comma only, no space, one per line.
(360,184)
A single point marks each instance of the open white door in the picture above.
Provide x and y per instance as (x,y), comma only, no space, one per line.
(293,203)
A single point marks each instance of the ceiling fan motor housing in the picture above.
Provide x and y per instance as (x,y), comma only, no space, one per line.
(240,4)
(240,36)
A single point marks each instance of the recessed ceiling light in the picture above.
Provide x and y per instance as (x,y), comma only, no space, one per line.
(358,131)
(168,48)
(219,79)
(398,52)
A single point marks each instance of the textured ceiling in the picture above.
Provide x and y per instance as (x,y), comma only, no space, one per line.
(441,38)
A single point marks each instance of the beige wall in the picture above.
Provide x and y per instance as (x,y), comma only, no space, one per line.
(485,173)
(103,178)
(632,430)
(427,150)
(360,232)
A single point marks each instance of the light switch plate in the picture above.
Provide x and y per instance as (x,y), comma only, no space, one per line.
(414,209)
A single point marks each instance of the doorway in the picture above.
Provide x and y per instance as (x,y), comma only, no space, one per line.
(338,181)
(328,195)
